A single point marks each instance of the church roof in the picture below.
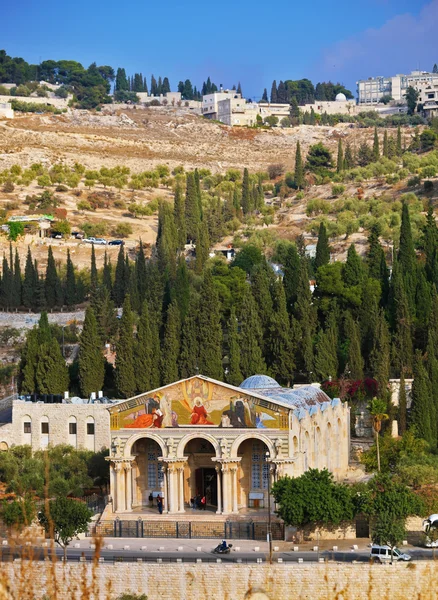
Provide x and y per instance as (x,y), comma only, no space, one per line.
(306,396)
(259,382)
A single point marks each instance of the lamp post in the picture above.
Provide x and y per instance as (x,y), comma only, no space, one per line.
(269,536)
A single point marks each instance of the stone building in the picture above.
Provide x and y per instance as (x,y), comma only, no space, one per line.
(81,424)
(200,436)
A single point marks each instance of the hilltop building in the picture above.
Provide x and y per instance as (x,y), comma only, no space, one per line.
(202,436)
(371,90)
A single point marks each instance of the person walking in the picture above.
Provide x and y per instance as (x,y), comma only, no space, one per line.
(160,505)
(203,502)
(151,500)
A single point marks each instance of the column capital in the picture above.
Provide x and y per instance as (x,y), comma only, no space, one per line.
(173,464)
(228,464)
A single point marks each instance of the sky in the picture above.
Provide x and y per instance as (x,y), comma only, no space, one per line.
(230,40)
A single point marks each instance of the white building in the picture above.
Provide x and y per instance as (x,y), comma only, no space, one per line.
(371,90)
(340,106)
(210,102)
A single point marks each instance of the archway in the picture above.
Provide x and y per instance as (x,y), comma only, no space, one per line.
(146,472)
(200,477)
(253,474)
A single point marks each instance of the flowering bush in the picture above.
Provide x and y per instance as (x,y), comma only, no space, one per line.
(353,391)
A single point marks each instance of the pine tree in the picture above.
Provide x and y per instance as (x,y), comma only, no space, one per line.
(421,408)
(399,148)
(246,193)
(192,215)
(125,377)
(52,283)
(91,360)
(376,147)
(120,280)
(280,350)
(30,281)
(143,355)
(385,144)
(179,217)
(340,159)
(70,282)
(326,359)
(354,360)
(322,256)
(171,345)
(402,406)
(251,359)
(348,158)
(353,271)
(234,374)
(209,329)
(274,92)
(299,169)
(51,372)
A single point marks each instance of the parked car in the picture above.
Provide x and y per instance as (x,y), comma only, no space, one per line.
(383,554)
(116,243)
(100,241)
(89,240)
(56,235)
(78,235)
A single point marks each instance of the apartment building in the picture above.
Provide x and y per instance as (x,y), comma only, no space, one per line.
(237,111)
(210,102)
(371,90)
(428,97)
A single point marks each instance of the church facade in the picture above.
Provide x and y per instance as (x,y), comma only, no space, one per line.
(202,437)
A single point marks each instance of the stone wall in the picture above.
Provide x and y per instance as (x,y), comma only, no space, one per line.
(57,102)
(330,581)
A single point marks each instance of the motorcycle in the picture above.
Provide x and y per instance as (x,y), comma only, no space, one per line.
(221,550)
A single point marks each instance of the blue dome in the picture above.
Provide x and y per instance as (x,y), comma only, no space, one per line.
(259,382)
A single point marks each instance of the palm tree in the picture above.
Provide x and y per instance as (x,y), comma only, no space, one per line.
(377,408)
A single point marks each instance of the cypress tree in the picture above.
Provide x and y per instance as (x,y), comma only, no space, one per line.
(430,243)
(432,370)
(140,273)
(380,353)
(234,374)
(189,357)
(399,148)
(433,321)
(322,247)
(236,199)
(340,159)
(106,275)
(40,296)
(251,359)
(421,408)
(423,305)
(280,350)
(209,329)
(348,158)
(179,217)
(402,350)
(304,321)
(6,286)
(274,92)
(70,283)
(407,259)
(375,258)
(192,216)
(181,288)
(106,317)
(326,359)
(29,362)
(171,345)
(376,147)
(385,144)
(120,280)
(30,281)
(52,283)
(44,331)
(143,352)
(167,241)
(202,247)
(353,272)
(198,192)
(246,193)
(16,282)
(94,282)
(402,406)
(354,354)
(261,289)
(265,95)
(125,377)
(91,360)
(291,276)
(51,372)
(299,168)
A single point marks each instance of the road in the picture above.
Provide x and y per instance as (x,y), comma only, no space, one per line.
(157,550)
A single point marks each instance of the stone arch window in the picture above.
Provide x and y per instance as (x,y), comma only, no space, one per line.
(155,468)
(44,431)
(306,450)
(318,458)
(259,466)
(295,445)
(26,429)
(72,431)
(90,433)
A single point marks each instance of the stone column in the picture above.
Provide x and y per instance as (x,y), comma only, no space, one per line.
(181,489)
(229,485)
(113,490)
(234,487)
(173,489)
(120,487)
(134,484)
(165,490)
(128,487)
(219,490)
(226,480)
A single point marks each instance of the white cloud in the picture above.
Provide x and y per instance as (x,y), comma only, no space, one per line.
(404,43)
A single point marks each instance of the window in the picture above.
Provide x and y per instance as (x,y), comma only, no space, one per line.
(45,428)
(90,428)
(260,469)
(72,428)
(27,427)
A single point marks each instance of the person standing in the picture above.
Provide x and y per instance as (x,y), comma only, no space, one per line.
(151,500)
(203,502)
(160,505)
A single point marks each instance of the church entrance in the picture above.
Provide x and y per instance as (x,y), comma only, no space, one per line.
(206,484)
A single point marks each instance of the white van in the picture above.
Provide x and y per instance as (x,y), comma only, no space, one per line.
(383,554)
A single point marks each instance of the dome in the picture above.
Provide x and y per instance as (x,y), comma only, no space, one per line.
(341,97)
(259,382)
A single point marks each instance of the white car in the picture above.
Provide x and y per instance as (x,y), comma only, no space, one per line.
(100,241)
(89,240)
(383,554)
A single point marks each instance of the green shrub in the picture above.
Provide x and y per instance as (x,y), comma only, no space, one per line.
(428,186)
(122,230)
(338,190)
(413,181)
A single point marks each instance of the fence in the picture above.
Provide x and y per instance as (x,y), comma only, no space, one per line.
(242,530)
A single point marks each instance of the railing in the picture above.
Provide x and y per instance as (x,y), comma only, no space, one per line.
(242,530)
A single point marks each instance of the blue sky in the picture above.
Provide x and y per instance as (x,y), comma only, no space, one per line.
(231,40)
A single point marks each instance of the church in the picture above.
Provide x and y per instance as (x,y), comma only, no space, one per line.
(199,436)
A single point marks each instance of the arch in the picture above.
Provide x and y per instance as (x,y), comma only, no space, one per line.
(306,450)
(253,435)
(200,434)
(138,436)
(4,446)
